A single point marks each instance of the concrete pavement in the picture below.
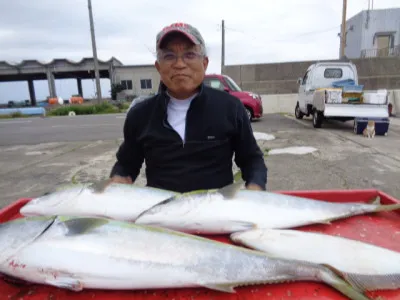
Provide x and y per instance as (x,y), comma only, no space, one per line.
(342,160)
(30,131)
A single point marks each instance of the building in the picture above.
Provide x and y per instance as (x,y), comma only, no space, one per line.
(373,33)
(136,80)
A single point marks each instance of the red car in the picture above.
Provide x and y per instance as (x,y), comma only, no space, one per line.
(251,101)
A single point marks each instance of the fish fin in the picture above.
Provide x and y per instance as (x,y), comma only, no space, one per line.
(242,225)
(220,287)
(229,191)
(345,277)
(66,282)
(76,226)
(335,279)
(373,283)
(163,202)
(375,200)
(333,269)
(62,187)
(99,186)
(238,176)
(387,207)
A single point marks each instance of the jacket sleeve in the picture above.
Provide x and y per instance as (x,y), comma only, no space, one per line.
(248,155)
(130,154)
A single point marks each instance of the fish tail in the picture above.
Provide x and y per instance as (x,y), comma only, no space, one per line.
(388,207)
(330,277)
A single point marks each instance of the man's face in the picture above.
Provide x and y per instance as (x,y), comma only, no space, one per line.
(181,65)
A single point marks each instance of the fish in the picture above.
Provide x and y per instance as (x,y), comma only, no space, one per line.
(80,253)
(365,266)
(117,201)
(232,208)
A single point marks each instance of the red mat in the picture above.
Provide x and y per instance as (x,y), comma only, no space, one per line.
(381,229)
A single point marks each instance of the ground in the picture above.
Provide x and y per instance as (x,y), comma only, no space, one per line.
(39,154)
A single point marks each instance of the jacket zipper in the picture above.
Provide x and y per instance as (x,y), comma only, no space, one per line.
(187,113)
(170,127)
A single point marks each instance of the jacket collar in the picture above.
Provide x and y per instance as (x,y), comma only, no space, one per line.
(162,90)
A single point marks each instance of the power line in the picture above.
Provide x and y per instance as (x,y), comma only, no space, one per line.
(287,37)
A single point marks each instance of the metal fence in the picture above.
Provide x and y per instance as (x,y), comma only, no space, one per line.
(385,52)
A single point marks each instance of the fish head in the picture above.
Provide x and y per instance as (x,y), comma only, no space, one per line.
(52,202)
(16,234)
(172,210)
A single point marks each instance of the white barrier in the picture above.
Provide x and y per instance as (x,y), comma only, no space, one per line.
(27,111)
(280,103)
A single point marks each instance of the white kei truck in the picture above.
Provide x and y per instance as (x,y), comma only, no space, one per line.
(330,90)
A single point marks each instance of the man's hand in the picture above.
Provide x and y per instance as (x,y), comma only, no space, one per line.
(254,187)
(120,179)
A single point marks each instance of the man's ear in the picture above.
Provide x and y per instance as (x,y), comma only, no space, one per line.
(157,66)
(205,63)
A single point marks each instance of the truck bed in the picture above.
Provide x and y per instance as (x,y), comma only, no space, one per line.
(381,229)
(356,110)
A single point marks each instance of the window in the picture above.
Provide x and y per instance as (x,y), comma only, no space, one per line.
(305,78)
(214,83)
(232,84)
(145,84)
(126,84)
(333,73)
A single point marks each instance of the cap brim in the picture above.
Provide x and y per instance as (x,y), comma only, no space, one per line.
(174,30)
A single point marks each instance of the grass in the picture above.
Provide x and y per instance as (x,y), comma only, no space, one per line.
(94,109)
(14,115)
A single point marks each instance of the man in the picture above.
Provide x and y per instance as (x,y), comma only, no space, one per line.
(187,133)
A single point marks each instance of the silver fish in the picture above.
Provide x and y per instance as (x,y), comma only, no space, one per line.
(232,209)
(116,201)
(365,266)
(97,253)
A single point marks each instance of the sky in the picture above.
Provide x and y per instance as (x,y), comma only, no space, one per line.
(257,31)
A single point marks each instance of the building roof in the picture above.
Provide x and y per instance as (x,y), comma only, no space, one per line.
(58,61)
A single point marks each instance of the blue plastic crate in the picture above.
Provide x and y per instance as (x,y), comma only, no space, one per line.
(381,125)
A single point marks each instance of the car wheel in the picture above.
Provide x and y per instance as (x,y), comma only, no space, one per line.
(297,112)
(249,114)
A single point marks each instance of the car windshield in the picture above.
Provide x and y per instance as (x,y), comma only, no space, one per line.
(232,84)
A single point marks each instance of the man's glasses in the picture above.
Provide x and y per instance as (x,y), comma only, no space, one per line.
(188,57)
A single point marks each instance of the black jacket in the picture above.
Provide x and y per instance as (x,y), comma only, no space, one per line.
(217,127)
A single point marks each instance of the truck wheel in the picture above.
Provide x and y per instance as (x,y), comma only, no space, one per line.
(297,112)
(317,119)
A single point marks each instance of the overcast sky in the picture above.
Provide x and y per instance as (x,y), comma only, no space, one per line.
(257,31)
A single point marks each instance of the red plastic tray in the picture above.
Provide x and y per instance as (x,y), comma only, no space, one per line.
(380,229)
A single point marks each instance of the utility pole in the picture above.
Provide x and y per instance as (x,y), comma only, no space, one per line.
(96,63)
(343,31)
(223,47)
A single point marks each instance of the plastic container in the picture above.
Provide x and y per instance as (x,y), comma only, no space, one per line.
(381,229)
(76,100)
(381,125)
